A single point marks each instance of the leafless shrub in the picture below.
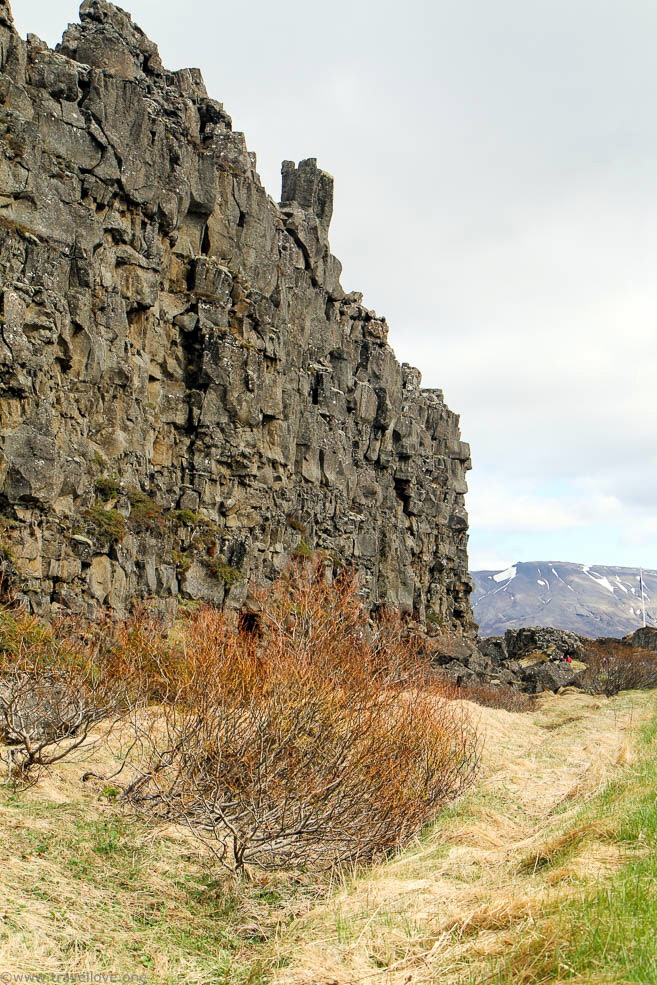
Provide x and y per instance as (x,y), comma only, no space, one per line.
(54,687)
(613,666)
(496,696)
(311,744)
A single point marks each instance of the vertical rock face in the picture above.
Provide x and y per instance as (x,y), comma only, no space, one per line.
(189,398)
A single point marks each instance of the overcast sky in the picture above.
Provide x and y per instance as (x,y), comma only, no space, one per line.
(496,199)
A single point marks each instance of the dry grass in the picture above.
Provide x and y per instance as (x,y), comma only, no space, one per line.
(501,696)
(487,871)
(86,887)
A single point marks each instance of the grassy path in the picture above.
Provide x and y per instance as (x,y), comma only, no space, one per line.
(493,873)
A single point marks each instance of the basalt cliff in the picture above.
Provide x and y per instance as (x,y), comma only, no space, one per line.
(188,396)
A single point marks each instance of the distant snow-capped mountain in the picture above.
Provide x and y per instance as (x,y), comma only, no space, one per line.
(593,600)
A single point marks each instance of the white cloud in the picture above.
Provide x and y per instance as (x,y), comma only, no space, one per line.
(577,522)
(500,507)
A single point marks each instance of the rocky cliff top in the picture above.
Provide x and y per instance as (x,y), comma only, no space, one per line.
(190,399)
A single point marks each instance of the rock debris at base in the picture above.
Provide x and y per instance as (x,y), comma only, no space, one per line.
(531,659)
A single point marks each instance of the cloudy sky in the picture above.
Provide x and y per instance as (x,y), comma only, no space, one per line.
(496,199)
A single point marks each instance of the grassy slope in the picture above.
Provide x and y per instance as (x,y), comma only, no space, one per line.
(606,933)
(83,887)
(542,874)
(484,893)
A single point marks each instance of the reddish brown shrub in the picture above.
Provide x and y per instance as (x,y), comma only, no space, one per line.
(139,653)
(319,741)
(612,667)
(496,696)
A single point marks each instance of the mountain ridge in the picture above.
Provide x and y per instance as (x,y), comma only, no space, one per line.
(593,600)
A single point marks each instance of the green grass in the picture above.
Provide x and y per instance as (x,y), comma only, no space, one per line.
(224,572)
(607,932)
(106,526)
(116,898)
(146,516)
(107,488)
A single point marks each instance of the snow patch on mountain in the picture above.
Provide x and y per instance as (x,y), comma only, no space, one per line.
(602,580)
(594,600)
(507,575)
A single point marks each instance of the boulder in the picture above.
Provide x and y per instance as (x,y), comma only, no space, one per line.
(546,675)
(542,639)
(493,647)
(646,638)
(460,675)
(445,650)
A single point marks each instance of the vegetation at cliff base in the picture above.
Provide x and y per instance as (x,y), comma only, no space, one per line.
(276,800)
(312,737)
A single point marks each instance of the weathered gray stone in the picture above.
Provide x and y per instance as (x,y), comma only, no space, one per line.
(553,643)
(100,577)
(460,675)
(446,650)
(494,647)
(545,675)
(533,658)
(198,583)
(188,396)
(645,637)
